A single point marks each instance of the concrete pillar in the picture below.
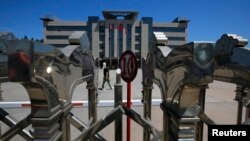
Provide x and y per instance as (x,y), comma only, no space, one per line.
(115,40)
(124,37)
(106,51)
(95,40)
(133,37)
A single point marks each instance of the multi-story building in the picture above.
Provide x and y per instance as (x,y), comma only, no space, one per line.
(117,32)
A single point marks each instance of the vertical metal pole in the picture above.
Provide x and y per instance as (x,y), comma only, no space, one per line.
(238,98)
(239,113)
(165,133)
(66,128)
(200,124)
(92,101)
(118,101)
(65,122)
(247,115)
(147,103)
(1,98)
(240,93)
(129,106)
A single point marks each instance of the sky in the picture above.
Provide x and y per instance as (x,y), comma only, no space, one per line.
(209,19)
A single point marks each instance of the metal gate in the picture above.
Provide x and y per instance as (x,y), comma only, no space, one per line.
(50,76)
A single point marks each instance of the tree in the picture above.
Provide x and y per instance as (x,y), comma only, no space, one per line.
(25,37)
(41,40)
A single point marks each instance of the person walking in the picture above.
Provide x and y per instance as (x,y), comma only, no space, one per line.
(105,76)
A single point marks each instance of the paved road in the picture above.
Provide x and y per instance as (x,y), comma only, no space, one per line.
(219,105)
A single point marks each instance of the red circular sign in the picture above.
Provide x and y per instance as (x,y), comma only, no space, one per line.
(128,66)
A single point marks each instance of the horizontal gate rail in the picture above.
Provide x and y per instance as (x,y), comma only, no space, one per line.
(76,104)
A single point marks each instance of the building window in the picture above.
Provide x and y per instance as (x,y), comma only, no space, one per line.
(176,38)
(102,38)
(59,45)
(173,46)
(120,27)
(66,28)
(138,55)
(137,29)
(120,39)
(102,46)
(169,29)
(137,38)
(101,54)
(102,29)
(111,40)
(138,46)
(129,29)
(57,37)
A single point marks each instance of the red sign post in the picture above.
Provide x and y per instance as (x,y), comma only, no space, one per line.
(129,67)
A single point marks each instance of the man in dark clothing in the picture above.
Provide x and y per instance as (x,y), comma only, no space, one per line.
(105,76)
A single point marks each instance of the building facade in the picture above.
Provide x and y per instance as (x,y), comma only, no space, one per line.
(117,32)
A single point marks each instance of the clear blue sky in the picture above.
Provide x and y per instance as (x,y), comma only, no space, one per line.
(209,18)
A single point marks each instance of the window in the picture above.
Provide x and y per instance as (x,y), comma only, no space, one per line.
(101,46)
(101,54)
(176,38)
(173,46)
(129,28)
(169,29)
(111,40)
(59,45)
(102,29)
(66,28)
(137,38)
(102,37)
(57,37)
(138,55)
(138,46)
(137,29)
(120,40)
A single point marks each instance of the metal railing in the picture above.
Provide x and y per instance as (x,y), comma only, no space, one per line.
(50,75)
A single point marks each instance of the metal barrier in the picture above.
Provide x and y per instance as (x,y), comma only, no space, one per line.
(183,74)
(50,76)
(233,66)
(80,104)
